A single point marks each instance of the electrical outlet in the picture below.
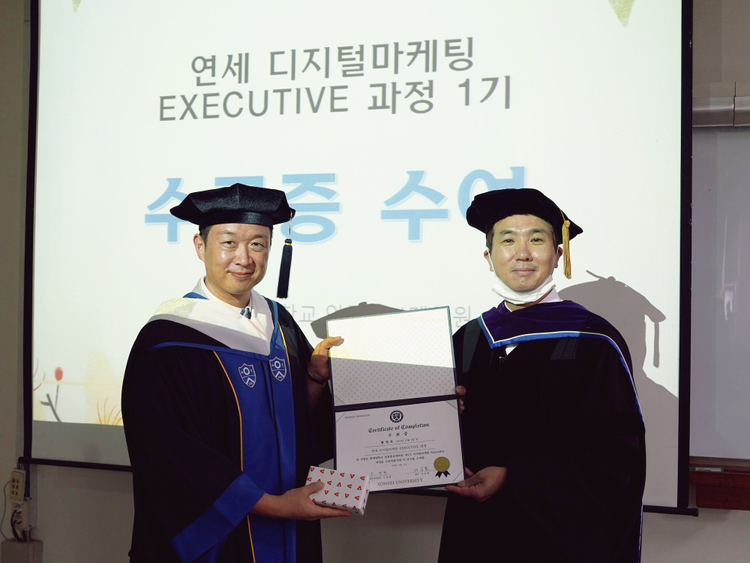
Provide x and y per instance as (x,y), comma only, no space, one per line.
(17,485)
(23,521)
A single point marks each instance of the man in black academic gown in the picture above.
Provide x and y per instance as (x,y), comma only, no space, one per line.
(225,404)
(552,431)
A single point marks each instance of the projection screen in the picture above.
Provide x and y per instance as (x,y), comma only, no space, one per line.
(381,122)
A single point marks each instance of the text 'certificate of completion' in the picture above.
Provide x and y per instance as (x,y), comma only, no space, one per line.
(393,382)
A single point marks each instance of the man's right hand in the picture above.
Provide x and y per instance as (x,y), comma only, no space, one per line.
(295,504)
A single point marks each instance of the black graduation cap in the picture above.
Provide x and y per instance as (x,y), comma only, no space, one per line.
(239,203)
(490,207)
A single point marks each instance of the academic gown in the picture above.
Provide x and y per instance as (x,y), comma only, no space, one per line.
(560,411)
(209,430)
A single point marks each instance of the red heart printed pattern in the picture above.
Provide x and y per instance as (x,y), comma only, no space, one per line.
(345,481)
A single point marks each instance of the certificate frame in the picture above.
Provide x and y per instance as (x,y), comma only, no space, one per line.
(405,439)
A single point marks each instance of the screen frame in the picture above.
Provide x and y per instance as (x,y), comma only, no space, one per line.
(685,267)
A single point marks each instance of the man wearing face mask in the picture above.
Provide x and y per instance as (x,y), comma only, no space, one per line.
(552,430)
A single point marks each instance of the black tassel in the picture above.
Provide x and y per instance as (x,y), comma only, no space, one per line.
(286,266)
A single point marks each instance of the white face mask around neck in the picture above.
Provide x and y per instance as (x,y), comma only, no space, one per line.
(518,298)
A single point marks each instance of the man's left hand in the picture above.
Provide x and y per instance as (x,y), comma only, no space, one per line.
(486,483)
(319,366)
(461,392)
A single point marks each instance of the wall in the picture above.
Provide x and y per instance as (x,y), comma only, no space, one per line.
(720,41)
(12,167)
(85,515)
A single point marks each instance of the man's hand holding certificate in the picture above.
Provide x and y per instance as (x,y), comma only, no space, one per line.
(396,409)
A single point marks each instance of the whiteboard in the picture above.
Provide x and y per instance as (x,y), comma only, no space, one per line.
(720,383)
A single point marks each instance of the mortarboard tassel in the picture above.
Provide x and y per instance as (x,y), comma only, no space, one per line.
(567,269)
(286,266)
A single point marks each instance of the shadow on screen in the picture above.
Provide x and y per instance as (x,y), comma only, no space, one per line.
(629,311)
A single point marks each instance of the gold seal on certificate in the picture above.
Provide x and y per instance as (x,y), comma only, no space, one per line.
(442,464)
(393,382)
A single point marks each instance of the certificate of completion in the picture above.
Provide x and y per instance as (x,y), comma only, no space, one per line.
(393,382)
